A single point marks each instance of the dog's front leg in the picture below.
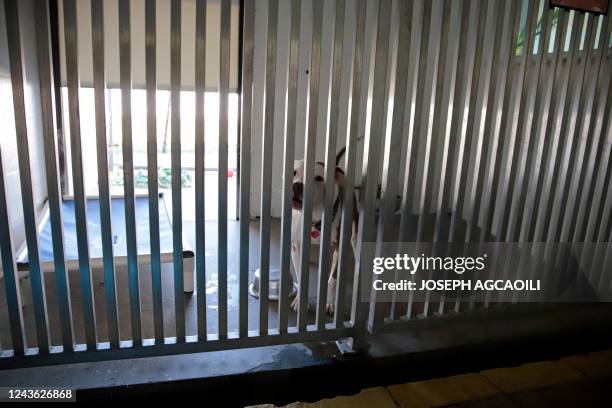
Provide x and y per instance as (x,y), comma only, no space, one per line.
(332,284)
(295,258)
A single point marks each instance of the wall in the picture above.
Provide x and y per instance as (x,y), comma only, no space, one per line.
(34,123)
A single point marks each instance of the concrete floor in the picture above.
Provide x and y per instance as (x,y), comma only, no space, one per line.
(167,292)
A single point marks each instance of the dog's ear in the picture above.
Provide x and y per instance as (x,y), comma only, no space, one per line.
(339,176)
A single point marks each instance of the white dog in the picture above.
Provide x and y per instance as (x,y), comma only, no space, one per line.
(317,214)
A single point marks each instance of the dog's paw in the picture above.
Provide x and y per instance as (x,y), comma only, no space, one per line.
(331,295)
(295,303)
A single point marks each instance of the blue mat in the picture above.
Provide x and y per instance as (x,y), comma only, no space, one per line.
(94,230)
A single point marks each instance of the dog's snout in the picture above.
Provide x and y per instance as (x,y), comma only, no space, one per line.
(298,189)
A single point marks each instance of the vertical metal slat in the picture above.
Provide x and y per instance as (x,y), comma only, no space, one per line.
(309,158)
(125,68)
(175,153)
(245,162)
(330,171)
(560,102)
(469,145)
(25,177)
(457,30)
(411,150)
(511,111)
(503,76)
(10,275)
(568,128)
(45,74)
(526,144)
(266,167)
(598,144)
(584,138)
(348,205)
(483,113)
(460,116)
(391,155)
(223,133)
(427,143)
(152,178)
(200,84)
(372,143)
(501,97)
(288,155)
(72,76)
(97,23)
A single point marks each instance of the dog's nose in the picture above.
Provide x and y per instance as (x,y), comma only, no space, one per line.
(298,189)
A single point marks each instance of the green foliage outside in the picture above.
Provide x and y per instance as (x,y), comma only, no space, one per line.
(141,178)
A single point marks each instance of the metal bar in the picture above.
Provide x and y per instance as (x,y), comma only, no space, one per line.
(499,120)
(598,143)
(603,169)
(541,111)
(200,85)
(417,161)
(607,205)
(173,347)
(29,214)
(226,8)
(57,96)
(266,166)
(460,117)
(560,101)
(503,63)
(245,161)
(288,155)
(456,31)
(472,115)
(429,147)
(593,61)
(9,270)
(568,129)
(327,227)
(72,77)
(45,74)
(371,154)
(419,124)
(125,69)
(531,153)
(152,177)
(392,150)
(309,157)
(426,125)
(493,30)
(97,20)
(411,150)
(175,153)
(348,205)
(510,124)
(438,148)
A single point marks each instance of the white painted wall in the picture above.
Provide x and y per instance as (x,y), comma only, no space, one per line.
(8,142)
(327,41)
(326,67)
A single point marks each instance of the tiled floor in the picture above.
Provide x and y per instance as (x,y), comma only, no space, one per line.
(577,381)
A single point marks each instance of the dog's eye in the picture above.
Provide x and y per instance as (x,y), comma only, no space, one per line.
(318,178)
(294,173)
